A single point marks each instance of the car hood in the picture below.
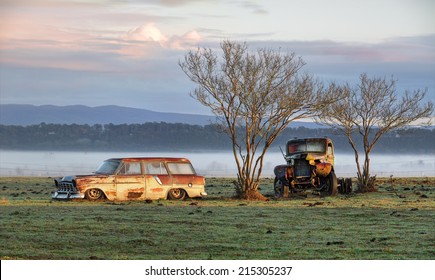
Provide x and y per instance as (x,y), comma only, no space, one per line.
(70,178)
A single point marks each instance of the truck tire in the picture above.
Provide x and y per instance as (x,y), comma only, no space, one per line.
(278,187)
(331,181)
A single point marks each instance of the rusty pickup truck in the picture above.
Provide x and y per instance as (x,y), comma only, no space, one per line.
(310,165)
(134,179)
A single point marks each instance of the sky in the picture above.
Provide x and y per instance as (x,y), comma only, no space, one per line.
(126,52)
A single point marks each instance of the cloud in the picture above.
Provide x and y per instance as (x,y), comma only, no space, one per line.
(146,33)
(186,41)
(150,33)
(410,60)
(252,6)
(418,49)
(177,3)
(101,56)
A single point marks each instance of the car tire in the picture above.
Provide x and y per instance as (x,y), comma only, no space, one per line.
(176,194)
(94,194)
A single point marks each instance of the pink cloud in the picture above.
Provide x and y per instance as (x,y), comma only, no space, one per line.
(146,33)
(139,41)
(186,41)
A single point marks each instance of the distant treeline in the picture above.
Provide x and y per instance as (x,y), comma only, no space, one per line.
(177,137)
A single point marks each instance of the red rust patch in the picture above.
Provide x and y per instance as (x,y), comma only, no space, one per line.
(134,194)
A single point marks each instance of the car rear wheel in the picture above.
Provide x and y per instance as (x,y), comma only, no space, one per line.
(94,194)
(176,194)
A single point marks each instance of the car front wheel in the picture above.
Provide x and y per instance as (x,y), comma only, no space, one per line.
(94,194)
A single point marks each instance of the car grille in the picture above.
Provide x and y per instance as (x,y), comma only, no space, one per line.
(66,187)
(302,168)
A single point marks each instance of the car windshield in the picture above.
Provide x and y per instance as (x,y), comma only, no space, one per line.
(108,167)
(306,147)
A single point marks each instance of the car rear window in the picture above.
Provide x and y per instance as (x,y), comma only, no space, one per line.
(181,168)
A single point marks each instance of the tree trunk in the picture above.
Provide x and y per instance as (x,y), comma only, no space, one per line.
(252,194)
(368,182)
(247,187)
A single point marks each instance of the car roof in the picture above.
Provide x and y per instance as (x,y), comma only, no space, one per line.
(170,159)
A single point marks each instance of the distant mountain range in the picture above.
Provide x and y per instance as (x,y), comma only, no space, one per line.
(14,114)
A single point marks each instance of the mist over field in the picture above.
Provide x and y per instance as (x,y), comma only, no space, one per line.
(216,163)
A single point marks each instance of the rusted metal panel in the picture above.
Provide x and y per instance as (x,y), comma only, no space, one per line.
(323,169)
(192,184)
(130,187)
(119,185)
(104,183)
(157,186)
(135,193)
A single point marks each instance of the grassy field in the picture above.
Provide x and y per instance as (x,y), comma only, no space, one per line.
(397,222)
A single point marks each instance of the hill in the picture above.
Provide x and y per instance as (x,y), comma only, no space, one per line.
(14,114)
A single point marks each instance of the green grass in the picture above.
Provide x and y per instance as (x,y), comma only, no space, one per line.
(397,222)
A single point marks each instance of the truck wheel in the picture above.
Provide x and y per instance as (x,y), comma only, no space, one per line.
(94,194)
(341,186)
(348,185)
(332,185)
(176,194)
(278,187)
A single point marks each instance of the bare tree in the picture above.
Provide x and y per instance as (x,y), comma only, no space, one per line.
(369,110)
(255,97)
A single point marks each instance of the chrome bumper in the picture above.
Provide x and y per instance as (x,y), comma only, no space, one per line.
(203,194)
(67,195)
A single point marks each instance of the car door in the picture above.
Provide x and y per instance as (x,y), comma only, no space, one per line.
(157,179)
(130,182)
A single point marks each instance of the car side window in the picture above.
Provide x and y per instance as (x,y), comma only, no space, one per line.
(130,168)
(155,168)
(181,168)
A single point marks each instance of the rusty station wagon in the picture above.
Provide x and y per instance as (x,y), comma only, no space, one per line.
(134,179)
